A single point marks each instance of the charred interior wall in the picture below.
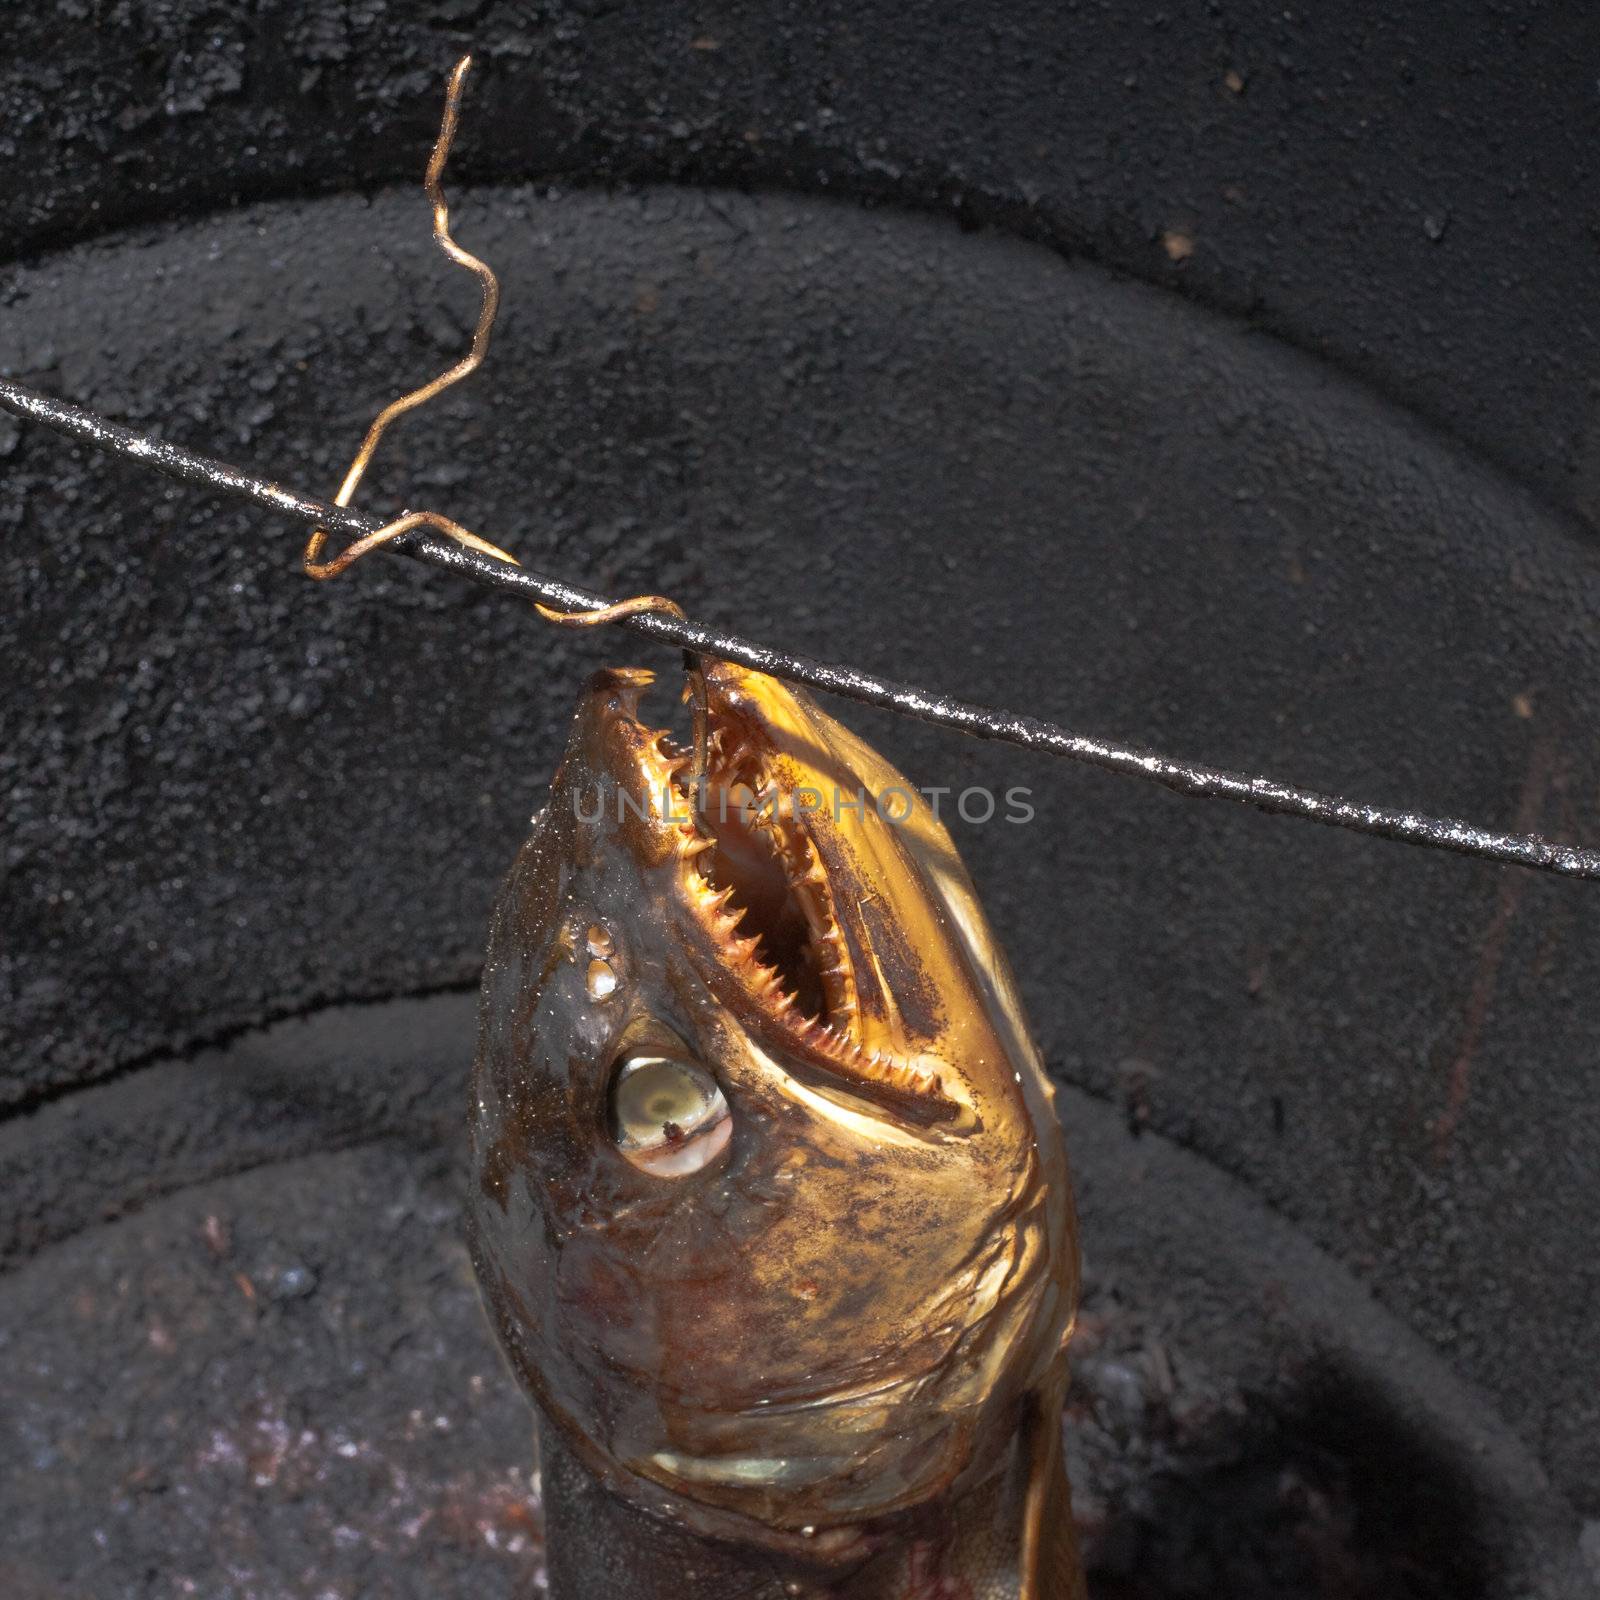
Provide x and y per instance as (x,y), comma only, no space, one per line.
(1225,379)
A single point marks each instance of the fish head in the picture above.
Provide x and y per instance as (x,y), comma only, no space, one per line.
(771,1211)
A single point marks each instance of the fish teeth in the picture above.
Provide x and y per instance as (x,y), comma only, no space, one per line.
(733,765)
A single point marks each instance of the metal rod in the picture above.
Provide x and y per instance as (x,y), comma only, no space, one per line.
(1031,733)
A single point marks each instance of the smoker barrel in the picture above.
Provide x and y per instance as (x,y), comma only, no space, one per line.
(1048,363)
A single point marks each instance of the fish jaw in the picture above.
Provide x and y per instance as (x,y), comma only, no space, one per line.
(840,1317)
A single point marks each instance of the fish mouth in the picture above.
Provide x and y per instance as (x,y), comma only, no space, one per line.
(744,840)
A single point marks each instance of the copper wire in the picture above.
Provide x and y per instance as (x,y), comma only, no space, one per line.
(317,568)
(414,519)
(694,688)
(614,612)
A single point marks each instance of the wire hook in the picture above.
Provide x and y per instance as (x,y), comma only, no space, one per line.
(316,567)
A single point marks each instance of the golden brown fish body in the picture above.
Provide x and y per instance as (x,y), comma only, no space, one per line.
(771,1209)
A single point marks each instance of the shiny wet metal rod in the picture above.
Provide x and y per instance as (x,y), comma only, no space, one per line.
(1031,733)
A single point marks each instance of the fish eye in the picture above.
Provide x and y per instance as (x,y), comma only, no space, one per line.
(667,1114)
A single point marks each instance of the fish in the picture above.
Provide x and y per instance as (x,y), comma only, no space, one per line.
(769,1206)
